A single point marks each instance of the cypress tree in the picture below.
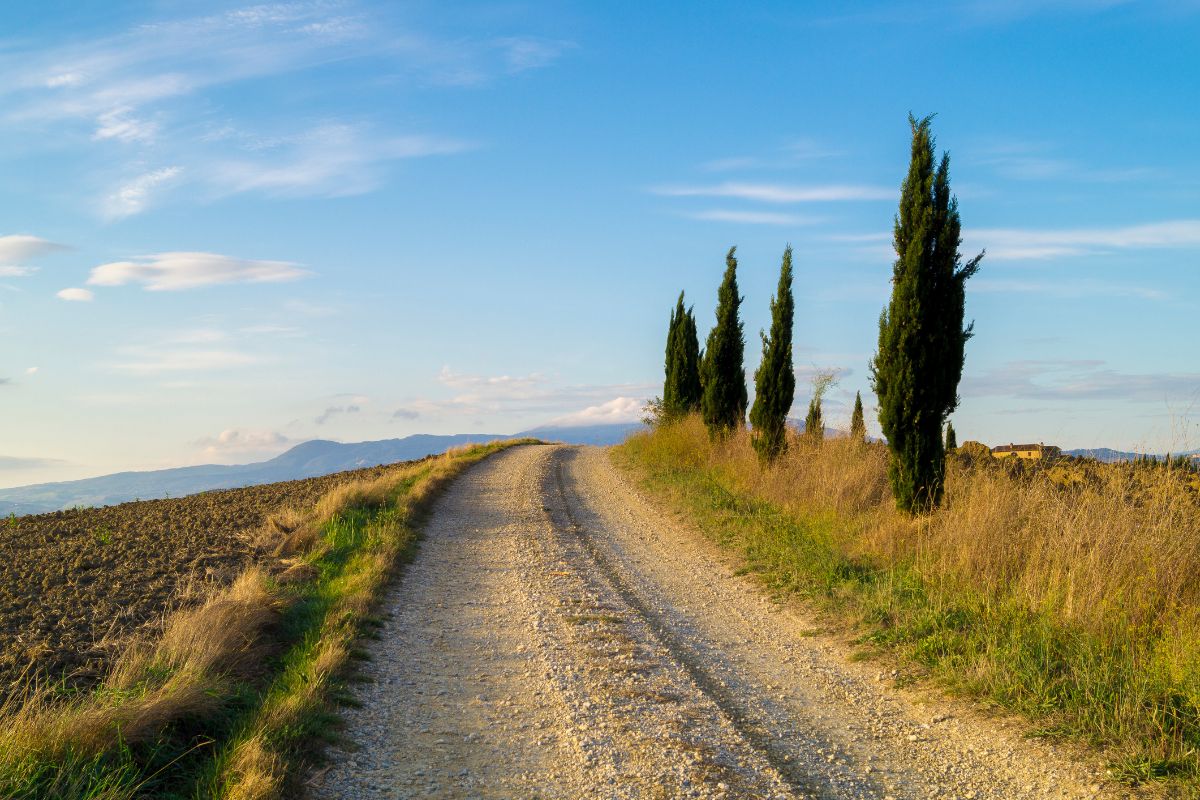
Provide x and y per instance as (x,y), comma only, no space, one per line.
(858,426)
(951,437)
(916,371)
(814,423)
(670,400)
(775,379)
(722,374)
(690,390)
(681,389)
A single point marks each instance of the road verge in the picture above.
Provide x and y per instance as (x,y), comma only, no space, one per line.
(819,526)
(230,700)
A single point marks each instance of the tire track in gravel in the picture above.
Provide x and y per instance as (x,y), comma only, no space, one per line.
(558,637)
(796,775)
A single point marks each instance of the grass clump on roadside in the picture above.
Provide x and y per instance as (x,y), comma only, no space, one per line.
(232,697)
(1076,605)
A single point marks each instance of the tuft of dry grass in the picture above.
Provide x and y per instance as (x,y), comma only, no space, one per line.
(1071,593)
(150,687)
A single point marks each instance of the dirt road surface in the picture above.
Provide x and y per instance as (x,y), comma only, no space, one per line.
(558,636)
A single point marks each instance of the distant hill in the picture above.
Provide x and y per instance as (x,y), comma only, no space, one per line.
(306,460)
(1110,456)
(612,433)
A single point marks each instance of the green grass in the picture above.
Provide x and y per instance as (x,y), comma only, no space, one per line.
(260,729)
(1110,691)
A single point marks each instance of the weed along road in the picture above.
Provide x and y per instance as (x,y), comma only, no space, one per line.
(558,636)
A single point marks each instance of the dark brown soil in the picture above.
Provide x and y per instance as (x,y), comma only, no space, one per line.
(76,585)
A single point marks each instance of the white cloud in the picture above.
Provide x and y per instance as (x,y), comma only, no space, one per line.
(1078,380)
(777,193)
(241,442)
(197,336)
(31,370)
(330,160)
(793,154)
(527,397)
(176,271)
(16,248)
(17,462)
(16,272)
(861,238)
(1068,289)
(526,52)
(65,79)
(160,61)
(75,295)
(268,329)
(753,217)
(1031,244)
(500,384)
(334,411)
(1013,244)
(133,197)
(153,360)
(118,124)
(619,409)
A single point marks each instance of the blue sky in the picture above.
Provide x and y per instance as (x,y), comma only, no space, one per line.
(228,228)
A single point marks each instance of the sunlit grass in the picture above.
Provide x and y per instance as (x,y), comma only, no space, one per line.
(1076,605)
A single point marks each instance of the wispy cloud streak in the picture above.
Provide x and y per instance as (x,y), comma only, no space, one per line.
(779,193)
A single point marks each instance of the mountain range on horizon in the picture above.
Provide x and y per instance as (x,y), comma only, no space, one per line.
(309,459)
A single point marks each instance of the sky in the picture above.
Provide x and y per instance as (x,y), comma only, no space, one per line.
(228,228)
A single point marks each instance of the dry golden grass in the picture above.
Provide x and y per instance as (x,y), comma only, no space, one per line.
(151,685)
(1122,547)
(1070,592)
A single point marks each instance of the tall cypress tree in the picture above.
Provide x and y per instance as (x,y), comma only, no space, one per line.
(951,437)
(681,389)
(722,374)
(775,379)
(858,425)
(922,340)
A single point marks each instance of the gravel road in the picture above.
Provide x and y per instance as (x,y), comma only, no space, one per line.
(559,636)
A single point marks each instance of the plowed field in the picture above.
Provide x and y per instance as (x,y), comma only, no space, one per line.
(76,585)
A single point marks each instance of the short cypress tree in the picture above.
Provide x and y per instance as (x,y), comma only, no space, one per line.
(916,371)
(951,437)
(681,389)
(775,378)
(858,426)
(722,374)
(814,423)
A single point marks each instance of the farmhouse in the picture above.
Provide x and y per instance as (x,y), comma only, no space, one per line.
(1033,452)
